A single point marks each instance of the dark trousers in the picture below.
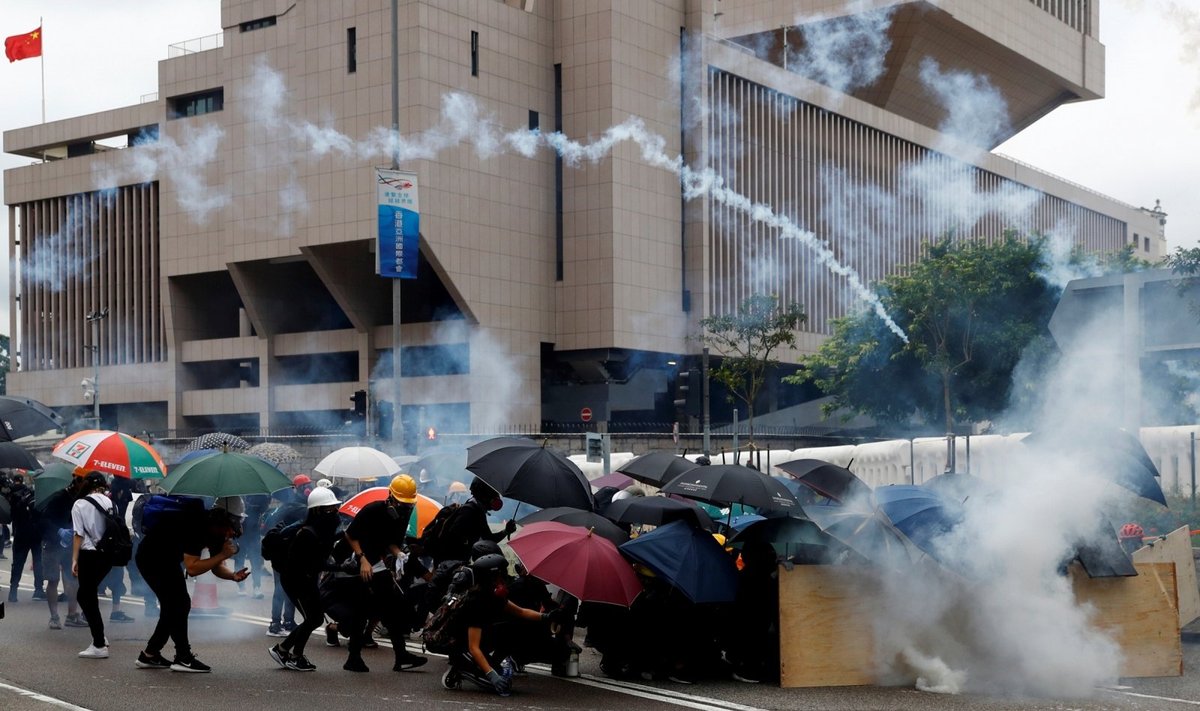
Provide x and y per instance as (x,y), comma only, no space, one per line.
(386,603)
(166,579)
(282,609)
(93,566)
(25,545)
(302,591)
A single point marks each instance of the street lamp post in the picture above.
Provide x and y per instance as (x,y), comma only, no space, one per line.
(95,318)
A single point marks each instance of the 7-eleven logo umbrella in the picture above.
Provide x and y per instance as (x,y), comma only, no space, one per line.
(112,453)
(425,507)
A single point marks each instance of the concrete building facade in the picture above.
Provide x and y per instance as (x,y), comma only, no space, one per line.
(228,226)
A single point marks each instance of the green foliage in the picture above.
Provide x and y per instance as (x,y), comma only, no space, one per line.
(1184,262)
(970,310)
(746,340)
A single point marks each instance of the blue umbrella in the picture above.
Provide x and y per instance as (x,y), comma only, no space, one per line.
(919,513)
(737,523)
(690,560)
(193,454)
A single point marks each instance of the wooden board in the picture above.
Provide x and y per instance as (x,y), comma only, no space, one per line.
(1176,548)
(1142,615)
(826,633)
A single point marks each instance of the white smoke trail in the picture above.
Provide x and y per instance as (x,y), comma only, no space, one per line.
(57,258)
(845,53)
(184,161)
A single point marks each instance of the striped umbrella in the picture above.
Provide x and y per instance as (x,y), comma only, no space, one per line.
(112,453)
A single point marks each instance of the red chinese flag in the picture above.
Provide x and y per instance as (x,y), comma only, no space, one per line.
(23,46)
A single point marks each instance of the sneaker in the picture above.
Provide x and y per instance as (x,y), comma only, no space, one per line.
(406,660)
(55,624)
(94,652)
(258,594)
(355,664)
(289,626)
(280,655)
(38,595)
(331,636)
(370,643)
(148,661)
(276,630)
(75,620)
(298,662)
(120,616)
(192,665)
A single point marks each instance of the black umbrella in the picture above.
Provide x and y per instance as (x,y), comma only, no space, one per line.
(14,456)
(796,538)
(23,417)
(525,471)
(656,511)
(218,441)
(867,531)
(960,487)
(578,517)
(726,484)
(829,480)
(656,468)
(1106,449)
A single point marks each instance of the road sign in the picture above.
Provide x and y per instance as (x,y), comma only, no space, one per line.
(586,414)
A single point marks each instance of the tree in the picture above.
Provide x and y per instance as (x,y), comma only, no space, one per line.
(745,342)
(969,309)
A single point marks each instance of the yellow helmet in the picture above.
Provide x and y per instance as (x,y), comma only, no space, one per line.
(403,489)
(720,539)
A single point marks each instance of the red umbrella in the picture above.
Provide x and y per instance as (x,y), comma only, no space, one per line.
(585,565)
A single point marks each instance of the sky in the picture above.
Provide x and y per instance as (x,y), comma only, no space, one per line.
(1139,144)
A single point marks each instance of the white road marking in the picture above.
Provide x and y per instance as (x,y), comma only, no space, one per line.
(1190,702)
(42,697)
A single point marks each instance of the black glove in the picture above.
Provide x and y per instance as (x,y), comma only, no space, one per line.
(510,526)
(499,683)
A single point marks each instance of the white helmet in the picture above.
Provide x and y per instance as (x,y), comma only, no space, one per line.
(321,496)
(324,483)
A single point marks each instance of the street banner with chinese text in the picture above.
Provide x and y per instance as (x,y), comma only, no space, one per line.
(399,224)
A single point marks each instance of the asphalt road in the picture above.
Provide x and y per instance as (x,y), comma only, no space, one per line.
(39,671)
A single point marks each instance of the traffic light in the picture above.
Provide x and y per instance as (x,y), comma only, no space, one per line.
(688,392)
(683,387)
(359,398)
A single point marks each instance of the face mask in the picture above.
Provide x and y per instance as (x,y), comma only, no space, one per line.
(496,505)
(501,590)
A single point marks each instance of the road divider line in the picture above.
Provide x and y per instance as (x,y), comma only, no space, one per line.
(1190,702)
(36,696)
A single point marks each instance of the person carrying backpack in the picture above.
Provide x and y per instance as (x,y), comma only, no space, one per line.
(469,523)
(291,511)
(88,564)
(306,558)
(173,543)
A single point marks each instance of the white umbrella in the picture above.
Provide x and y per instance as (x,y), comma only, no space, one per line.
(357,463)
(405,459)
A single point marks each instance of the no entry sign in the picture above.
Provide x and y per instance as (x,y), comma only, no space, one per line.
(586,414)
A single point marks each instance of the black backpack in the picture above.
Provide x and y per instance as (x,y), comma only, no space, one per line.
(433,537)
(116,544)
(444,632)
(278,540)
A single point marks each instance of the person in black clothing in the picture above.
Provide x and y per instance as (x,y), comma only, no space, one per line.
(752,645)
(177,538)
(55,517)
(26,534)
(376,535)
(482,615)
(290,510)
(307,557)
(470,524)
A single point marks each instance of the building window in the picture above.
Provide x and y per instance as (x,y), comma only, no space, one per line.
(203,102)
(1147,244)
(534,120)
(424,361)
(351,50)
(257,24)
(1136,240)
(474,53)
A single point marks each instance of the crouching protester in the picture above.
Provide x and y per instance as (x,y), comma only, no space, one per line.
(178,530)
(478,625)
(307,557)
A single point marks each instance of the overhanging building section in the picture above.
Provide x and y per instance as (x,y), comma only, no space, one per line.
(236,254)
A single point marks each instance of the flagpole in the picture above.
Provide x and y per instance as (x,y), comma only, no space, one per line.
(42,58)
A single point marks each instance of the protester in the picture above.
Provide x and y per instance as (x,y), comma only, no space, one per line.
(26,534)
(55,515)
(469,523)
(174,538)
(307,557)
(89,565)
(484,641)
(251,542)
(136,583)
(376,535)
(752,641)
(291,510)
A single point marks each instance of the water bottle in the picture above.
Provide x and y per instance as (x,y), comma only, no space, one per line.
(506,668)
(573,665)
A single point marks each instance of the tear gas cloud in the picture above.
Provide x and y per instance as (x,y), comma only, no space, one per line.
(845,53)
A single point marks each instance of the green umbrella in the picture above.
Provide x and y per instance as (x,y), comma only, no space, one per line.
(225,474)
(51,480)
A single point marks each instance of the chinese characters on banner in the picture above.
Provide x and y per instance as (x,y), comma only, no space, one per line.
(399,224)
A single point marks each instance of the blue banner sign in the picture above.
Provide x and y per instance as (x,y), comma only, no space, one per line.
(399,224)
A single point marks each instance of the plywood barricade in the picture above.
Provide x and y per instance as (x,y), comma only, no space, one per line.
(1141,613)
(1176,547)
(827,634)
